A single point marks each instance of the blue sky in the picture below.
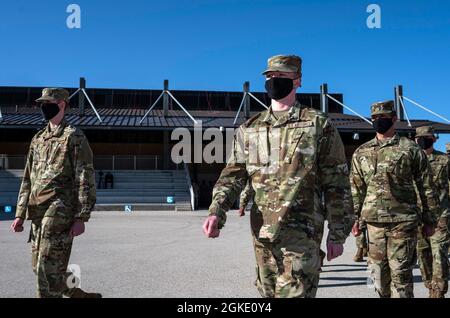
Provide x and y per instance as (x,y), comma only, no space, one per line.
(217,45)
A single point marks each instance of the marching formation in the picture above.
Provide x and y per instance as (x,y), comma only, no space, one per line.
(394,199)
(291,162)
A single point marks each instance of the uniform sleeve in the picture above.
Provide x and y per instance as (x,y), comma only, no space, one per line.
(334,179)
(359,187)
(232,180)
(423,178)
(84,178)
(25,187)
(246,196)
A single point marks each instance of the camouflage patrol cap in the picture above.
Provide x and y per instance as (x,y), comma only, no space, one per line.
(284,63)
(386,107)
(425,131)
(53,95)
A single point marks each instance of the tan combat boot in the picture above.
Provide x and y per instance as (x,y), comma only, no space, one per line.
(436,293)
(365,251)
(322,257)
(79,293)
(359,256)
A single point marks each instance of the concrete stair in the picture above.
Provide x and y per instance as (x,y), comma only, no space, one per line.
(143,189)
(10,181)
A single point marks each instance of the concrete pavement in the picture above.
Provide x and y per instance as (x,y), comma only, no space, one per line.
(165,254)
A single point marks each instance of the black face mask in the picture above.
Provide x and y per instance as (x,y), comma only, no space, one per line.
(49,110)
(278,88)
(382,125)
(425,143)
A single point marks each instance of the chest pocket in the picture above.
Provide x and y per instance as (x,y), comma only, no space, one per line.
(256,149)
(292,147)
(60,150)
(302,145)
(41,149)
(440,173)
(399,166)
(367,166)
(50,154)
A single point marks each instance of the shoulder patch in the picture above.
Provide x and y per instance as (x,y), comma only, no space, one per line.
(314,115)
(443,157)
(76,135)
(313,111)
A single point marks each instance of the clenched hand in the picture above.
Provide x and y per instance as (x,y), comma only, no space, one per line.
(77,228)
(210,227)
(17,225)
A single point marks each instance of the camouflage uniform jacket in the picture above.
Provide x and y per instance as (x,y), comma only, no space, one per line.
(307,163)
(59,174)
(440,166)
(383,178)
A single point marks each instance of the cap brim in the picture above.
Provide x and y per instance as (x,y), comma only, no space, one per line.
(424,135)
(46,99)
(279,69)
(382,113)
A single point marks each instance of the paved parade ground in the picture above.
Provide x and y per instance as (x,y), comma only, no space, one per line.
(165,254)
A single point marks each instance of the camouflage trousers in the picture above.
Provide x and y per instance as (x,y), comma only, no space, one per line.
(392,257)
(51,245)
(288,267)
(432,255)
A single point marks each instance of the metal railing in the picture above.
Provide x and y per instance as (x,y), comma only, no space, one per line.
(191,188)
(12,162)
(132,163)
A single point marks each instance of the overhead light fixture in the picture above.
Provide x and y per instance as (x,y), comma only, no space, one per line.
(355,136)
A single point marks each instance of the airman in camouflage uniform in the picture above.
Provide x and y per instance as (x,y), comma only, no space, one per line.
(432,251)
(57,194)
(384,173)
(291,159)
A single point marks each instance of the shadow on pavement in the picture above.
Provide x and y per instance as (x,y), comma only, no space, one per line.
(344,278)
(362,269)
(345,265)
(354,281)
(418,279)
(344,284)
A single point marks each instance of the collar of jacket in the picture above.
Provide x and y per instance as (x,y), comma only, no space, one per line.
(55,133)
(293,115)
(433,156)
(393,141)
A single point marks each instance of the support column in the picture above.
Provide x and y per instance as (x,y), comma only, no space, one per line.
(81,97)
(247,100)
(166,150)
(398,92)
(324,98)
(166,99)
